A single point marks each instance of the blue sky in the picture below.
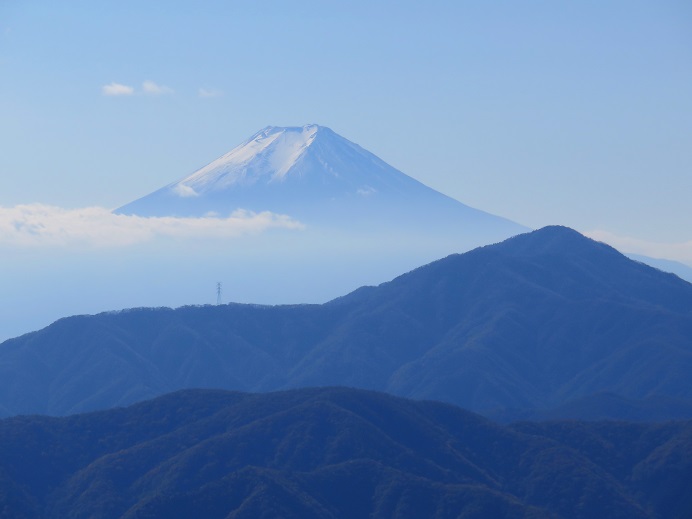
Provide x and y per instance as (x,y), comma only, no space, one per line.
(574,113)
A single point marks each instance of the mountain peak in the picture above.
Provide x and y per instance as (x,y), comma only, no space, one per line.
(288,170)
(554,239)
(305,133)
(284,169)
(266,157)
(314,175)
(311,129)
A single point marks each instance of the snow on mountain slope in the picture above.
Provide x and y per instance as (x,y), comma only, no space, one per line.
(312,174)
(321,162)
(266,157)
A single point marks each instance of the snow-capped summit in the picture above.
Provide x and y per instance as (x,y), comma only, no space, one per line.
(316,176)
(265,157)
(312,156)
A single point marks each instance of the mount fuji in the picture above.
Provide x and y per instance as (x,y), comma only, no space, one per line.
(322,179)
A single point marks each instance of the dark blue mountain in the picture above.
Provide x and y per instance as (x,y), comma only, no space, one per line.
(529,324)
(335,453)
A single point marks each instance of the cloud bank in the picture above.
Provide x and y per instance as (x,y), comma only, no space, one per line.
(36,225)
(678,251)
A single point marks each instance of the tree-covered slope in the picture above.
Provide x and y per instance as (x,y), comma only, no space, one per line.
(535,322)
(334,452)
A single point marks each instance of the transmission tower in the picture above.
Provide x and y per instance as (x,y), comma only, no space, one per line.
(218,293)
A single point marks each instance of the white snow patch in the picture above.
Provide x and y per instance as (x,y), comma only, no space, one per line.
(292,146)
(184,191)
(267,156)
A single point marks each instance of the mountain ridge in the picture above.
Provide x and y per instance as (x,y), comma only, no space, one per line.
(530,323)
(334,452)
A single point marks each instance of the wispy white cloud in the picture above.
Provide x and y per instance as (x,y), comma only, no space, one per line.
(209,92)
(117,89)
(678,251)
(149,87)
(366,191)
(36,225)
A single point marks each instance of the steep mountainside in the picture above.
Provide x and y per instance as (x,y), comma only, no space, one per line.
(528,324)
(327,453)
(320,178)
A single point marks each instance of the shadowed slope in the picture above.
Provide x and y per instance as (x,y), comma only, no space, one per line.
(331,453)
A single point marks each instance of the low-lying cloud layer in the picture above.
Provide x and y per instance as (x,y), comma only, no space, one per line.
(43,225)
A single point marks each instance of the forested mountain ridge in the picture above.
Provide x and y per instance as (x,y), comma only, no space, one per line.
(534,322)
(335,452)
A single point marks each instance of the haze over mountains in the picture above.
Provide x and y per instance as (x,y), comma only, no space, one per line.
(533,323)
(547,324)
(362,222)
(354,220)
